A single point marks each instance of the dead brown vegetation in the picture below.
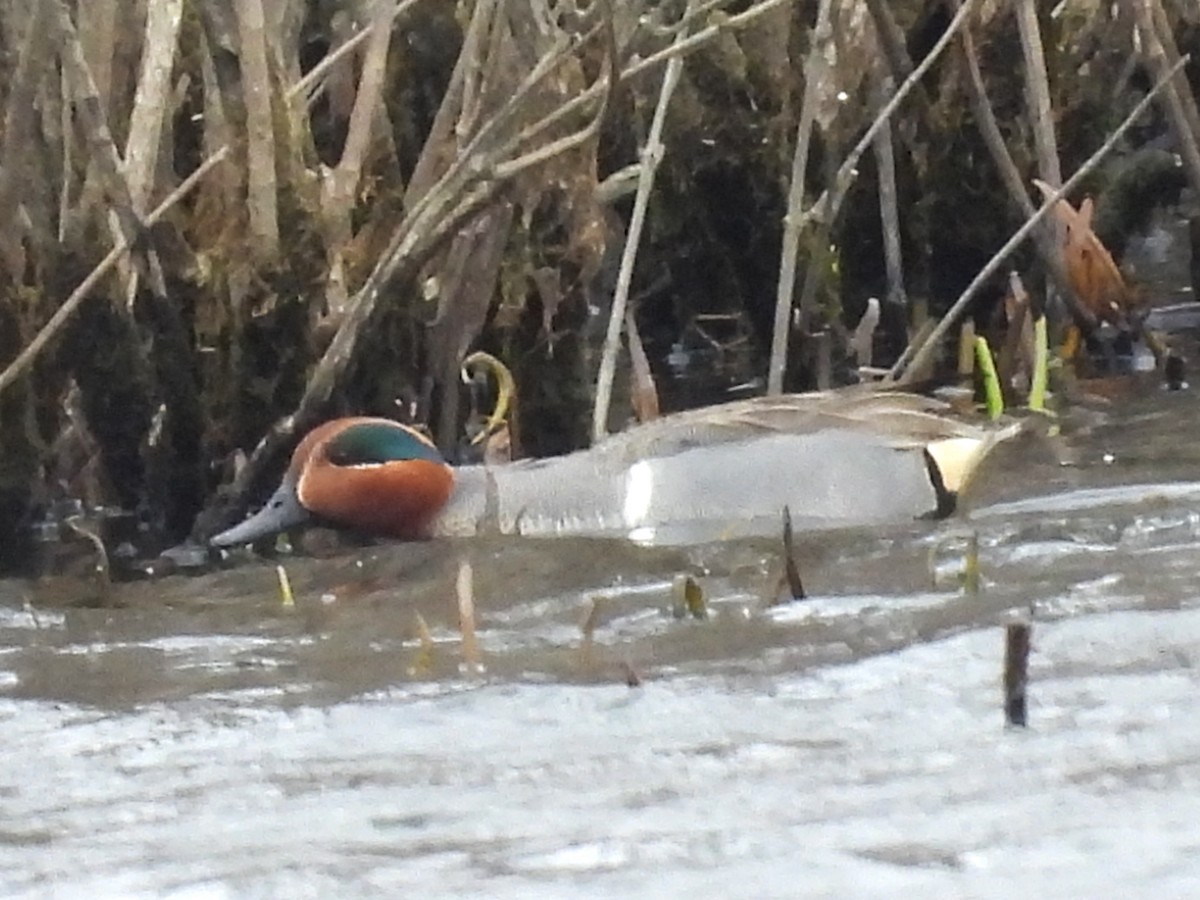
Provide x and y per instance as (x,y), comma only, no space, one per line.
(225,221)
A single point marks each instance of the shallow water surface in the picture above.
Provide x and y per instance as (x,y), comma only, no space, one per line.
(203,740)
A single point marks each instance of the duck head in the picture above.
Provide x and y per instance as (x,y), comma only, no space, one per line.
(374,476)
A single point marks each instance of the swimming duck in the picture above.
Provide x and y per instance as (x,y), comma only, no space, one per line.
(843,457)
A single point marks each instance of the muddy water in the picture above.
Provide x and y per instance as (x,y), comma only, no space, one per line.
(203,740)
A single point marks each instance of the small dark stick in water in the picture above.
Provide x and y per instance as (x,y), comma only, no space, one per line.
(632,679)
(588,627)
(1016,671)
(789,558)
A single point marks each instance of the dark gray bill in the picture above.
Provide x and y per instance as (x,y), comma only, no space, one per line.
(281,512)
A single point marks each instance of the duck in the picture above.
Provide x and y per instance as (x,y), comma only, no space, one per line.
(843,457)
(369,475)
(851,456)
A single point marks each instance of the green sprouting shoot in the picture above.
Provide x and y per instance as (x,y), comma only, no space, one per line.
(687,598)
(286,598)
(1041,366)
(991,382)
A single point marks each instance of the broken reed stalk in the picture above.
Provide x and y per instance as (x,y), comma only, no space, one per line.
(829,203)
(590,621)
(862,341)
(465,590)
(642,388)
(923,356)
(1014,350)
(652,155)
(1016,672)
(790,569)
(314,79)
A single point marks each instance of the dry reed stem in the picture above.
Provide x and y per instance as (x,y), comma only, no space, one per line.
(815,78)
(1037,91)
(150,106)
(261,194)
(345,177)
(94,123)
(642,389)
(340,186)
(98,34)
(889,207)
(862,340)
(1017,348)
(88,531)
(652,155)
(923,356)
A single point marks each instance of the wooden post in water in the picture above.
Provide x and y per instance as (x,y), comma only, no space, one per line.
(1016,672)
